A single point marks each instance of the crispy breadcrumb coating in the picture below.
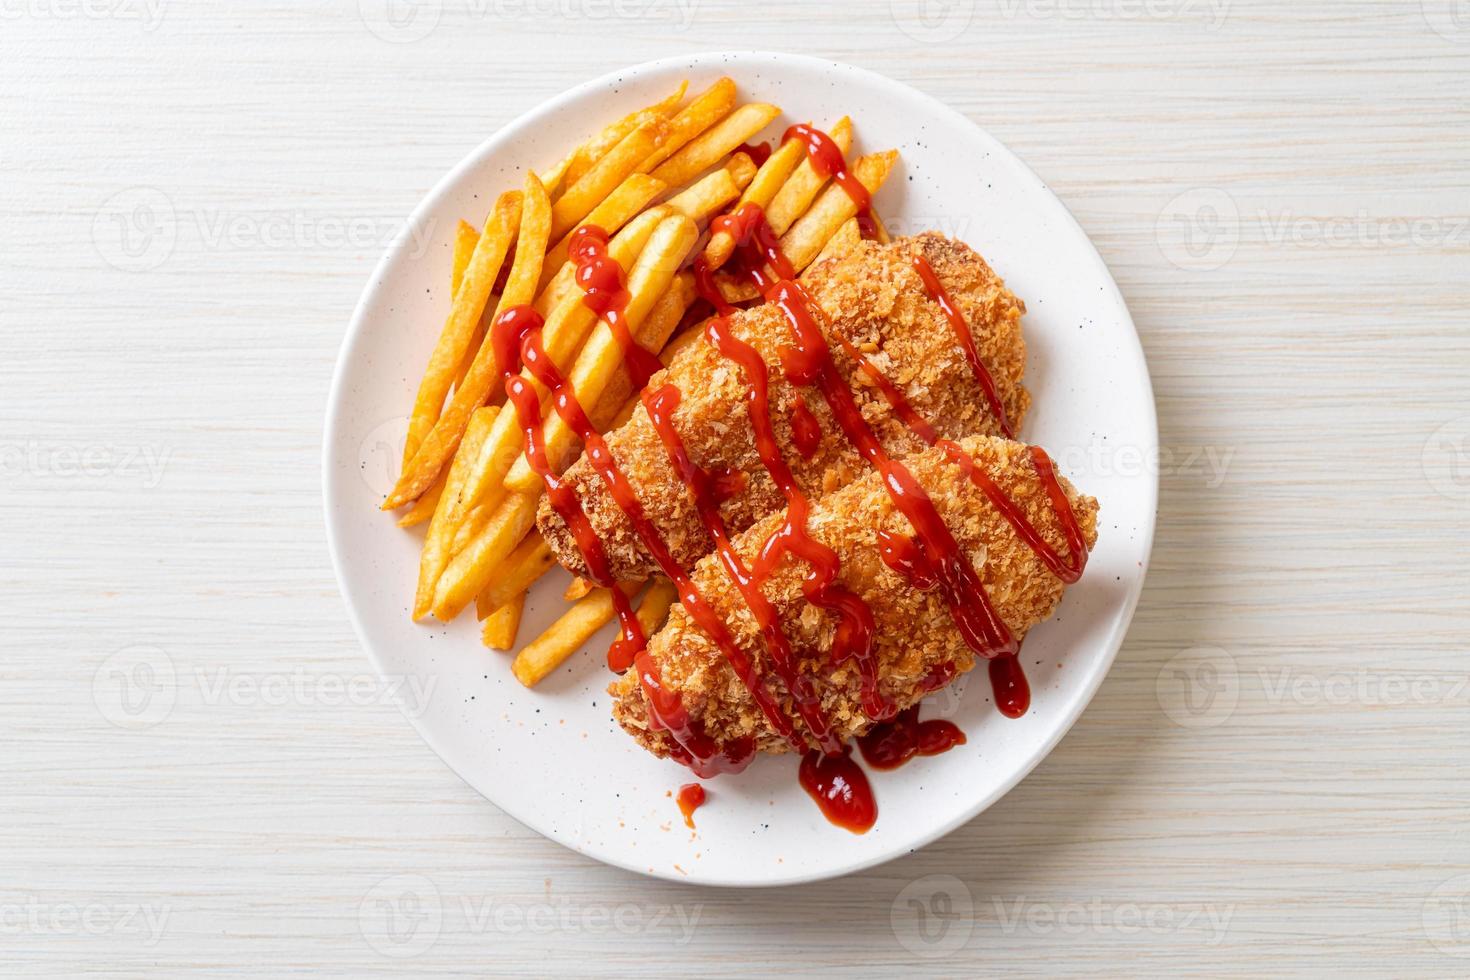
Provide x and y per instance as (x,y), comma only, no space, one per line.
(914,637)
(873,298)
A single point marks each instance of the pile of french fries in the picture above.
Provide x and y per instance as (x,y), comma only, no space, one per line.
(652,181)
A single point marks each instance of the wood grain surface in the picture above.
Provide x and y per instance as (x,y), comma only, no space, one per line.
(1273,780)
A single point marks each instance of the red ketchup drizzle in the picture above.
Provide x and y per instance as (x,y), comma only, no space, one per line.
(956,319)
(606,294)
(667,713)
(892,743)
(690,798)
(759,153)
(660,406)
(903,555)
(840,788)
(827,160)
(806,431)
(854,635)
(1008,683)
(809,362)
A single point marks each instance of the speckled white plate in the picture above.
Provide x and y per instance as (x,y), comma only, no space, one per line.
(552,757)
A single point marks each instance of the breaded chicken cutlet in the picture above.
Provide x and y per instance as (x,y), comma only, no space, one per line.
(917,645)
(872,298)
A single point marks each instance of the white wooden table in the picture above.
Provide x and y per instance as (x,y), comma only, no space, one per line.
(1272,780)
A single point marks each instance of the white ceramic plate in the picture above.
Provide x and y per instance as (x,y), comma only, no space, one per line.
(552,757)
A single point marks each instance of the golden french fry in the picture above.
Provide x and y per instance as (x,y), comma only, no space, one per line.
(602,357)
(710,147)
(606,174)
(763,187)
(801,189)
(577,589)
(594,149)
(842,241)
(466,237)
(424,507)
(441,531)
(555,178)
(742,169)
(530,560)
(806,238)
(479,381)
(619,399)
(654,608)
(568,634)
(706,196)
(501,626)
(474,291)
(566,328)
(467,575)
(706,109)
(626,200)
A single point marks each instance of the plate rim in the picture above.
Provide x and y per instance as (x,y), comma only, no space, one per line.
(473,159)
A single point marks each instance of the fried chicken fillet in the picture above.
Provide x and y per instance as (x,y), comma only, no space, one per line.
(871,297)
(915,638)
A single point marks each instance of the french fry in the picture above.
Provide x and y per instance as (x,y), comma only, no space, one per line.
(619,399)
(798,193)
(501,626)
(469,300)
(530,560)
(466,237)
(703,111)
(520,287)
(627,199)
(706,196)
(568,634)
(806,238)
(577,589)
(602,357)
(549,650)
(653,610)
(606,174)
(767,181)
(711,146)
(435,554)
(562,336)
(842,241)
(610,415)
(742,169)
(582,158)
(467,575)
(555,179)
(424,507)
